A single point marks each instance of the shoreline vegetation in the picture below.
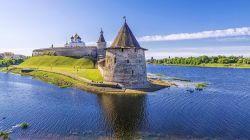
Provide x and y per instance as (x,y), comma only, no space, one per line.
(6,134)
(79,73)
(205,61)
(6,62)
(200,86)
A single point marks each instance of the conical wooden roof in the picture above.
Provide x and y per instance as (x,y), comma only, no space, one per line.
(125,38)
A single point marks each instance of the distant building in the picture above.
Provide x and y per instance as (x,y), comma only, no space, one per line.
(76,41)
(101,46)
(152,60)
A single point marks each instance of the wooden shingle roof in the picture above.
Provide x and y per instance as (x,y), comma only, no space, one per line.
(125,38)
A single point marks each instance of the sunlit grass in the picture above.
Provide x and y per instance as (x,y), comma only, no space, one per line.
(82,67)
(58,61)
(92,74)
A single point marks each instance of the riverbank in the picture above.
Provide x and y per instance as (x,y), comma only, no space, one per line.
(245,66)
(64,80)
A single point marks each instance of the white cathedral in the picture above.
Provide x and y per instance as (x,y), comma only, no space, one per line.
(76,41)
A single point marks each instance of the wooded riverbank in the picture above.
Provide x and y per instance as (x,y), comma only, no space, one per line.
(205,61)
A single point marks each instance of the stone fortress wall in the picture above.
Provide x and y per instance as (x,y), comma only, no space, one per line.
(126,66)
(76,48)
(88,51)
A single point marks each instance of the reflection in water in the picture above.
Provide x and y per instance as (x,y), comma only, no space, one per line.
(125,115)
(221,111)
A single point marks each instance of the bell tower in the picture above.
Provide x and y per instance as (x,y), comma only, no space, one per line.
(101,46)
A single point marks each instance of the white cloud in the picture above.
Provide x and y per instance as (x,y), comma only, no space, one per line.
(198,51)
(232,32)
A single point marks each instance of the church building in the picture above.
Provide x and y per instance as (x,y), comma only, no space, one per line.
(75,41)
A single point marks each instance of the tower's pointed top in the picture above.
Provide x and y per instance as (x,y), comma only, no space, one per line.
(125,20)
(125,38)
(101,31)
(101,38)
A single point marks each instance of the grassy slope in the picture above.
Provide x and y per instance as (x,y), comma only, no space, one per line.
(58,61)
(83,67)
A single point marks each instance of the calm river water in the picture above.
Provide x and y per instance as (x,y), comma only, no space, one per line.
(220,111)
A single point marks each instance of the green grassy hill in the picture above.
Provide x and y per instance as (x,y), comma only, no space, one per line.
(58,61)
(82,67)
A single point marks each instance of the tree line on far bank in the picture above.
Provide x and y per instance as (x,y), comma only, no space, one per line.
(6,62)
(202,60)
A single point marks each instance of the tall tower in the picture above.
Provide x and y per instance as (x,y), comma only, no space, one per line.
(125,61)
(101,46)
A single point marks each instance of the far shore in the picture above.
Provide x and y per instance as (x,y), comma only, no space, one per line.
(211,65)
(63,80)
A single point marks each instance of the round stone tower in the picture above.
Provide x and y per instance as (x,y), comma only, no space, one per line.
(125,61)
(101,46)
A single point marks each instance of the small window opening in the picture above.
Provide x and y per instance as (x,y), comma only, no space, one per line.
(114,60)
(122,49)
(127,61)
(135,50)
(132,72)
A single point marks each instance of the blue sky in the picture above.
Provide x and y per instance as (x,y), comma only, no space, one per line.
(158,24)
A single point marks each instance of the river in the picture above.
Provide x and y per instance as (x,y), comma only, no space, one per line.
(222,110)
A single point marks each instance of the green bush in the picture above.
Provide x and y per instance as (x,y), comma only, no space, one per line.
(25,125)
(201,86)
(4,135)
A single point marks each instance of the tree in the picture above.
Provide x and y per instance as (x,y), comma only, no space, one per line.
(7,62)
(240,61)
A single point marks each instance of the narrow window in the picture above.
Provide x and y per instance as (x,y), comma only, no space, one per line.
(132,72)
(127,61)
(135,50)
(122,49)
(115,60)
